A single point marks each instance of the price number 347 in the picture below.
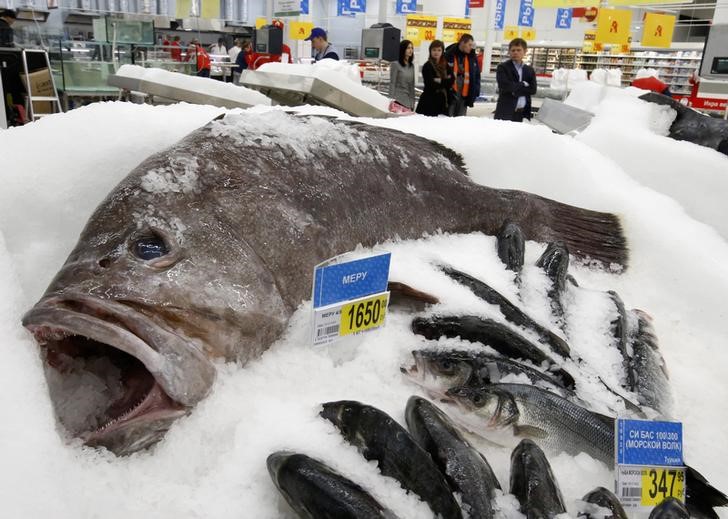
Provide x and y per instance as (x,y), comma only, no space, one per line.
(363,315)
(659,484)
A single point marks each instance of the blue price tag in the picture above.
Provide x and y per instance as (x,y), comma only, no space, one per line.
(643,442)
(351,280)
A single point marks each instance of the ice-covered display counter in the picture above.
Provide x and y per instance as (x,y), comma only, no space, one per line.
(181,87)
(328,82)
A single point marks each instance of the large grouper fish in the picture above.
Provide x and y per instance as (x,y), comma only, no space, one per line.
(205,250)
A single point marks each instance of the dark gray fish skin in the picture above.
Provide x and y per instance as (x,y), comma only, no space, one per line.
(555,262)
(490,333)
(511,246)
(670,508)
(440,370)
(533,482)
(316,491)
(647,368)
(701,496)
(511,312)
(691,125)
(193,257)
(467,471)
(553,422)
(600,496)
(380,438)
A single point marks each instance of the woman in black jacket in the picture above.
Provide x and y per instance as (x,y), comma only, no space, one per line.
(438,81)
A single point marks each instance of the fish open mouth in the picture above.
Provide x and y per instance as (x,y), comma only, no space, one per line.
(110,378)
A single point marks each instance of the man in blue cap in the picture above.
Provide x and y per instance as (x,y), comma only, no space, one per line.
(322,48)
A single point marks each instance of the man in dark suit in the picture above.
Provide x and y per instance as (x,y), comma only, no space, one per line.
(516,85)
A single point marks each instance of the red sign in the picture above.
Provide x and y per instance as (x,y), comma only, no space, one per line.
(474,4)
(708,103)
(587,13)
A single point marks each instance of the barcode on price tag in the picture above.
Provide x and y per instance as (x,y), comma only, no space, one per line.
(336,321)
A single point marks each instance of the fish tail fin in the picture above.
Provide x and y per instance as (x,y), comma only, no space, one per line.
(589,234)
(701,495)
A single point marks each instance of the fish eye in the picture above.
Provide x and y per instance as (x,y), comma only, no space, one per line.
(477,400)
(149,247)
(445,365)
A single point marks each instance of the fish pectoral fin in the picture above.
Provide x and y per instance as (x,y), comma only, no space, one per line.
(404,295)
(530,431)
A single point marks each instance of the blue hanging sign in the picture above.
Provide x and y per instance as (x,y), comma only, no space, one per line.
(356,6)
(304,7)
(525,14)
(500,8)
(406,6)
(342,8)
(563,18)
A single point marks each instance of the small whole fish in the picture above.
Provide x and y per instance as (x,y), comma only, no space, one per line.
(490,333)
(511,245)
(466,470)
(533,482)
(379,437)
(648,369)
(510,311)
(602,498)
(440,370)
(670,508)
(555,262)
(316,491)
(553,422)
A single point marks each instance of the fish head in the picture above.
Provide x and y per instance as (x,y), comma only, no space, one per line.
(439,371)
(160,283)
(497,407)
(346,415)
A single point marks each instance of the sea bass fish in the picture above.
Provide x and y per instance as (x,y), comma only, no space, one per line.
(533,483)
(205,250)
(316,491)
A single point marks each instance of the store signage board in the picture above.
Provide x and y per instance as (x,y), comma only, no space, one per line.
(304,7)
(563,18)
(260,22)
(454,28)
(406,6)
(649,461)
(528,33)
(590,36)
(500,17)
(646,2)
(510,32)
(349,296)
(658,30)
(525,13)
(476,4)
(420,28)
(613,26)
(566,3)
(286,7)
(299,30)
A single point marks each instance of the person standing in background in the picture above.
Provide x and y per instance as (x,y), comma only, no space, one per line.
(466,73)
(218,51)
(233,53)
(438,82)
(321,46)
(175,51)
(202,58)
(516,84)
(7,35)
(402,76)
